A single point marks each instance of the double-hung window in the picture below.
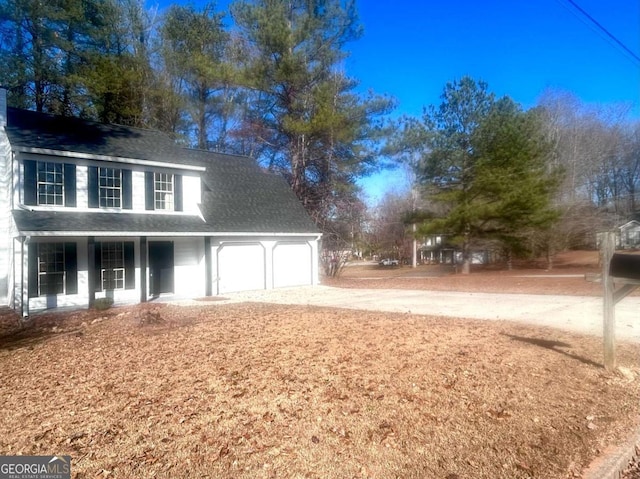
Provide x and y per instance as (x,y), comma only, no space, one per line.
(110,187)
(50,183)
(51,269)
(163,191)
(112,266)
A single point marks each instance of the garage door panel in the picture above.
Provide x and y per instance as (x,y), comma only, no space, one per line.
(241,267)
(292,265)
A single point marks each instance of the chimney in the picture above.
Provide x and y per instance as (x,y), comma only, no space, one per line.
(3,107)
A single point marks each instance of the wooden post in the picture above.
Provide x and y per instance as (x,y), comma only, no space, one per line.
(609,320)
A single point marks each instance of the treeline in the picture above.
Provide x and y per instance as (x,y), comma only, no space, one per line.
(491,176)
(264,79)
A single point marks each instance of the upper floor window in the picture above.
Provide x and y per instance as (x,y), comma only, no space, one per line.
(50,183)
(163,191)
(110,187)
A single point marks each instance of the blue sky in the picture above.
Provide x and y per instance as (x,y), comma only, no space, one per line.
(412,48)
(520,48)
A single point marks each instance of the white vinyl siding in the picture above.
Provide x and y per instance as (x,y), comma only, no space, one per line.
(191,193)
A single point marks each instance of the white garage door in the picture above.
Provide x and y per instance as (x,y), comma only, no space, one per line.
(240,268)
(291,264)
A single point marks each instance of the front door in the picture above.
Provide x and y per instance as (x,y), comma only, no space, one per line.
(160,267)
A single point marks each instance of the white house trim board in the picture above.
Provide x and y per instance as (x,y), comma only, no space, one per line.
(6,218)
(113,159)
(221,236)
(62,209)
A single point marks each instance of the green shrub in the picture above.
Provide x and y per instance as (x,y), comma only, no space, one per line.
(103,303)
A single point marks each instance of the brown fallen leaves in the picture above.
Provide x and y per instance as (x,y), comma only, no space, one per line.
(260,391)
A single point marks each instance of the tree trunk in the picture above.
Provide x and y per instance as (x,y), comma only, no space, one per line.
(549,258)
(201,109)
(466,253)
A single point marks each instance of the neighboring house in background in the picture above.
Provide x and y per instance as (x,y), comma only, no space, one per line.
(434,250)
(629,235)
(89,210)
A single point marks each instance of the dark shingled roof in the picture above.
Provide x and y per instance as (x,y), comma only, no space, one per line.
(238,196)
(39,130)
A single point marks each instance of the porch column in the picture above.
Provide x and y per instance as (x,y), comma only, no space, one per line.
(208,273)
(143,269)
(24,276)
(91,269)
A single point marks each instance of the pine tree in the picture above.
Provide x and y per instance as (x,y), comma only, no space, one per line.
(315,130)
(486,164)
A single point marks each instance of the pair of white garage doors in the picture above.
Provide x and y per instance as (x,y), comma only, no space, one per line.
(251,266)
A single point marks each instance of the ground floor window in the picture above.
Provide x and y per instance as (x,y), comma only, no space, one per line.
(112,266)
(53,268)
(50,268)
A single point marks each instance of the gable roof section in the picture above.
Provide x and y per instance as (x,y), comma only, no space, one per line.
(629,225)
(238,196)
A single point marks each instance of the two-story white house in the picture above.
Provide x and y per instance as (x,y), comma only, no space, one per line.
(89,210)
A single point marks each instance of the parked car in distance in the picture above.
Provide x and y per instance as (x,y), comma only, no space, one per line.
(389,262)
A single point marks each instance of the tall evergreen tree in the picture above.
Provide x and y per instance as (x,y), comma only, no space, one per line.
(44,48)
(514,182)
(194,52)
(449,166)
(118,77)
(486,162)
(314,129)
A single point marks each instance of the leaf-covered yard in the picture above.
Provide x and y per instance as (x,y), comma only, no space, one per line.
(256,390)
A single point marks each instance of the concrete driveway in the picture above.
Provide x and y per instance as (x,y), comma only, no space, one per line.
(581,314)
